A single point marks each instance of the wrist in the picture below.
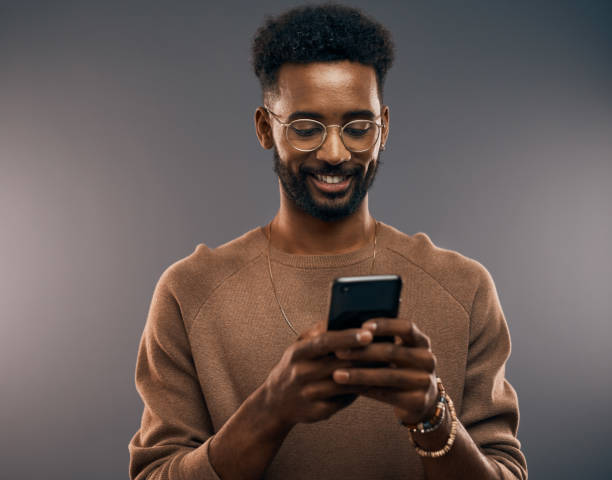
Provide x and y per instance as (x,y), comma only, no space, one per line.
(266,418)
(436,438)
(253,435)
(438,441)
(434,416)
(431,413)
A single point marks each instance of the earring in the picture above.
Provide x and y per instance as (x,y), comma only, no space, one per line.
(382,147)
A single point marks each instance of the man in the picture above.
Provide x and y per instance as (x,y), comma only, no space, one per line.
(228,389)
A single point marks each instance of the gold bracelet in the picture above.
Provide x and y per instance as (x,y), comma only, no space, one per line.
(451,438)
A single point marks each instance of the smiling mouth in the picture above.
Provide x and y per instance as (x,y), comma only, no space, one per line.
(331,183)
(331,179)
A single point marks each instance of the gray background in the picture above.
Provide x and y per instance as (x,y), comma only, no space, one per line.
(126,138)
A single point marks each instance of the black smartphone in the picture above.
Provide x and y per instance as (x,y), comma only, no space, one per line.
(357,299)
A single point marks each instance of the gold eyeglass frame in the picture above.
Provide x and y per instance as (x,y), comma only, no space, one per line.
(380,126)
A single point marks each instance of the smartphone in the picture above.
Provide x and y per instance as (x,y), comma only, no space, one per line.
(357,299)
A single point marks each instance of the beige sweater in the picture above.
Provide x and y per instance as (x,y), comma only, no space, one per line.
(214,331)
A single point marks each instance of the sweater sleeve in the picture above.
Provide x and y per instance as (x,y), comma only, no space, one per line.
(175,431)
(490,410)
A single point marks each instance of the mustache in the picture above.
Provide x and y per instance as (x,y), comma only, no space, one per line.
(332,170)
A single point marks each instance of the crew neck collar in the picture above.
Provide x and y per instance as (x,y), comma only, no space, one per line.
(323,261)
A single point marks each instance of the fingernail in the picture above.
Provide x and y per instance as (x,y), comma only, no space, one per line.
(364,337)
(370,326)
(341,375)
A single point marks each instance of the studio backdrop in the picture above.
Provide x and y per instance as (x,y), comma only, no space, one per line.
(127,138)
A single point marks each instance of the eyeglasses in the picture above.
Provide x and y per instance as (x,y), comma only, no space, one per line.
(306,135)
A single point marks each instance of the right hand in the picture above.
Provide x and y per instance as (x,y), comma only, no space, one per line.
(300,387)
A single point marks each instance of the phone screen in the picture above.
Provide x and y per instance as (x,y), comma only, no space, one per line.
(357,299)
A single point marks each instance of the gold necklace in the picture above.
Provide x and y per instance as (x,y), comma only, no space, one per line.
(272,279)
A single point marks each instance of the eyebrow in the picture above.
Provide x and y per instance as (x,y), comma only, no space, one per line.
(360,113)
(304,114)
(317,116)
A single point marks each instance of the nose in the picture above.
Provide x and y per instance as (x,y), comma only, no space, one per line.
(333,150)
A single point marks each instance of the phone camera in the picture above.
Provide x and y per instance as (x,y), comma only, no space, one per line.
(345,289)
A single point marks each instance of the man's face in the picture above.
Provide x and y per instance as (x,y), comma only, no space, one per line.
(334,94)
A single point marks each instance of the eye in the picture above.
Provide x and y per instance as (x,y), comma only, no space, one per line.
(306,129)
(357,129)
(309,132)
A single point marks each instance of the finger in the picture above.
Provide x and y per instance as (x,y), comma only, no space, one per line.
(411,401)
(326,408)
(402,378)
(330,341)
(325,389)
(311,370)
(399,355)
(420,339)
(405,329)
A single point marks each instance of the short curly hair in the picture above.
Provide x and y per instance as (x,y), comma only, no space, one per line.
(320,33)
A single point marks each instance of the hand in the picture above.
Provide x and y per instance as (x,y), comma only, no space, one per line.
(409,383)
(300,387)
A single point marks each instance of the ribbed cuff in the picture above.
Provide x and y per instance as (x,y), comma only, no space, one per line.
(196,465)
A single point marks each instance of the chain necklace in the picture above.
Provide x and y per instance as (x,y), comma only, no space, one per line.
(272,279)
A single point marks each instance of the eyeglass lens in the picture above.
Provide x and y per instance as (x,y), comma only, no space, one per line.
(358,135)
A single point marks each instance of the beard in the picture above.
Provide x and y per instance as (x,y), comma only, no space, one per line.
(297,189)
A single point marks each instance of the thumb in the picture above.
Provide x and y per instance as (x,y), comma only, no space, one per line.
(314,330)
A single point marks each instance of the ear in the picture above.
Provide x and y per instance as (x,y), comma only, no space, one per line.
(263,129)
(385,122)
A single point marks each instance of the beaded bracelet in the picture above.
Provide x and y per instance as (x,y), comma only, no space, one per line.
(434,422)
(451,438)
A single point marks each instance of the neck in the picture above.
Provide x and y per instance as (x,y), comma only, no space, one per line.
(294,231)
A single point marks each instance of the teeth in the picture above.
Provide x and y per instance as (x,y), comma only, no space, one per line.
(330,179)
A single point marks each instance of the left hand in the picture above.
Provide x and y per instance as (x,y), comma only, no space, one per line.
(409,383)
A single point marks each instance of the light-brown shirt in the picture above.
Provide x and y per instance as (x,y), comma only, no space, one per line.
(214,331)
